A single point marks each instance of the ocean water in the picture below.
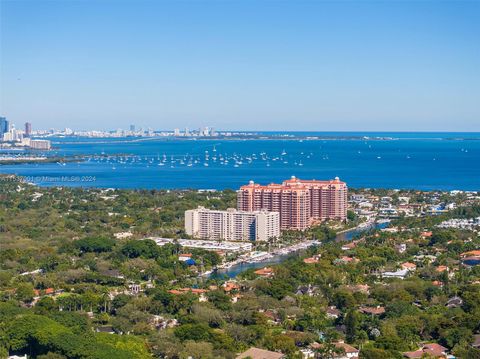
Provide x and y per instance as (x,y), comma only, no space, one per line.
(425,161)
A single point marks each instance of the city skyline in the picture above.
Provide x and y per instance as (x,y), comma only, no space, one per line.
(404,66)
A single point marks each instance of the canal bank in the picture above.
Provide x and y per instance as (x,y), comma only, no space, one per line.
(236,269)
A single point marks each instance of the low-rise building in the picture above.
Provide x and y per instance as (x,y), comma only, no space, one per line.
(40,145)
(224,246)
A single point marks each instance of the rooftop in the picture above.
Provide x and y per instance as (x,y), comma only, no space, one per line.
(297,184)
(256,353)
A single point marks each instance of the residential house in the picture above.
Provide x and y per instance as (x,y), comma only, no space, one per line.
(105,329)
(349,246)
(401,248)
(306,290)
(266,272)
(346,351)
(454,302)
(378,310)
(333,312)
(400,274)
(409,266)
(432,350)
(200,292)
(312,260)
(230,286)
(256,353)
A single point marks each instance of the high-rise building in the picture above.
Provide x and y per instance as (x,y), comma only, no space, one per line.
(176,132)
(232,225)
(4,127)
(28,129)
(132,128)
(300,203)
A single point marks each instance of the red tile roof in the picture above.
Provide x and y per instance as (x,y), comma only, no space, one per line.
(431,350)
(441,269)
(265,272)
(473,253)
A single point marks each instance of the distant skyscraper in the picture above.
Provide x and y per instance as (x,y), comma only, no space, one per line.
(132,128)
(28,129)
(4,127)
(176,132)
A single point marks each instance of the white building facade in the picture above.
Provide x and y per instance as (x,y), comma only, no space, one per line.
(232,225)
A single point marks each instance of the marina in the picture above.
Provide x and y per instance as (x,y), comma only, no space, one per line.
(406,160)
(233,269)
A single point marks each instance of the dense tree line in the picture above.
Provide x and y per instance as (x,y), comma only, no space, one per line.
(63,240)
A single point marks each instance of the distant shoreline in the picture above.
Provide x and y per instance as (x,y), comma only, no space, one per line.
(128,139)
(108,137)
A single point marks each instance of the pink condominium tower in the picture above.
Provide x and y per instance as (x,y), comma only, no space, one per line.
(300,203)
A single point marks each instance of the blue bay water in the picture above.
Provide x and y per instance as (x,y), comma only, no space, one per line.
(424,161)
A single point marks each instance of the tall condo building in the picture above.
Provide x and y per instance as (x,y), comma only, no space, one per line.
(232,225)
(300,203)
(28,129)
(4,127)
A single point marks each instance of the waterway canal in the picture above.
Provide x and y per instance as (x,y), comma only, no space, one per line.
(235,270)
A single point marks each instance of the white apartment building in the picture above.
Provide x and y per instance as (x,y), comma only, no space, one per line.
(232,225)
(40,144)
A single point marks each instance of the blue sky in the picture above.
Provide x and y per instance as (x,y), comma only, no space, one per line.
(253,65)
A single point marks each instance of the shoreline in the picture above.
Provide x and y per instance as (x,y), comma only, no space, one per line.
(110,140)
(38,160)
